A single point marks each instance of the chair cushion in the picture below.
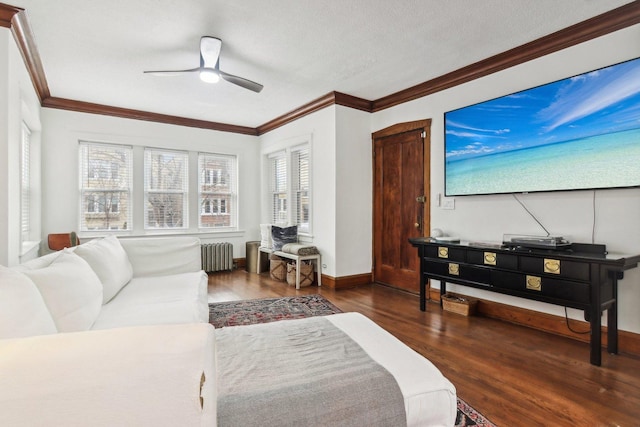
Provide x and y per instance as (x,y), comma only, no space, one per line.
(110,262)
(23,312)
(71,290)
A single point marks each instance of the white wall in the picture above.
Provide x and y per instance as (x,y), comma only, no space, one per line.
(63,129)
(354,192)
(617,222)
(320,128)
(18,102)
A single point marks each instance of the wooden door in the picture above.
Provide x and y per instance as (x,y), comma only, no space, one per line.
(400,202)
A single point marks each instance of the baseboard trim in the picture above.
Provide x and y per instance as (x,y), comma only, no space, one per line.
(346,282)
(628,342)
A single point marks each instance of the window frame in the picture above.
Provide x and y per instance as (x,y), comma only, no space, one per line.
(219,186)
(148,172)
(291,195)
(87,189)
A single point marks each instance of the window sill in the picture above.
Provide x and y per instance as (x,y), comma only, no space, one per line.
(165,233)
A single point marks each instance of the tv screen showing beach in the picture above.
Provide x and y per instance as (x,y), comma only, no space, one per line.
(579,133)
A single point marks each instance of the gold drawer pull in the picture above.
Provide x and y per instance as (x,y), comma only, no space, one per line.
(443,252)
(454,269)
(490,258)
(552,266)
(534,283)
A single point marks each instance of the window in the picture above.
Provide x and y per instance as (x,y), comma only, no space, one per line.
(105,186)
(217,190)
(278,164)
(166,189)
(290,187)
(25,183)
(301,187)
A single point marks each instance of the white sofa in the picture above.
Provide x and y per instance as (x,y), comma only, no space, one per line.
(109,333)
(116,333)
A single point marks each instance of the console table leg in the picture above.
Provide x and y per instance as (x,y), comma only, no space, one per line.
(423,292)
(595,335)
(612,321)
(443,290)
(612,329)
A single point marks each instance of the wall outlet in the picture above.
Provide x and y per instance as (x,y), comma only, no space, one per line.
(449,204)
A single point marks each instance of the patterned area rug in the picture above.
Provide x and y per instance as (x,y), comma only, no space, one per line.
(468,417)
(248,312)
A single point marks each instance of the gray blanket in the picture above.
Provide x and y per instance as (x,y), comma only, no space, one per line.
(301,373)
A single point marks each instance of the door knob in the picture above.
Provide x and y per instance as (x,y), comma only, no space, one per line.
(421,199)
(416,225)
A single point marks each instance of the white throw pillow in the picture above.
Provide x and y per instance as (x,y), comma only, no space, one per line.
(265,236)
(23,312)
(110,262)
(71,290)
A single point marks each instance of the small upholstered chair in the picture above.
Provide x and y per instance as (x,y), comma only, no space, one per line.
(60,241)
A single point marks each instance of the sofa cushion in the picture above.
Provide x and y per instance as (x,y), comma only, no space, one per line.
(110,262)
(160,256)
(71,290)
(23,312)
(178,298)
(283,235)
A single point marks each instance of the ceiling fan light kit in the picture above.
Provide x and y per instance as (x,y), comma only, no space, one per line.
(209,75)
(209,70)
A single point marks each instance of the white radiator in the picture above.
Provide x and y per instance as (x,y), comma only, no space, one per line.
(217,256)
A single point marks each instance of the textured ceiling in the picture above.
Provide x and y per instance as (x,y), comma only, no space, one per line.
(96,51)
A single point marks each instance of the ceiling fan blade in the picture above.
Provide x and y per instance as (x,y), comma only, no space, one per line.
(209,51)
(170,73)
(247,84)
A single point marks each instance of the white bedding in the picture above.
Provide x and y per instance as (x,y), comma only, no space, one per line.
(139,376)
(430,399)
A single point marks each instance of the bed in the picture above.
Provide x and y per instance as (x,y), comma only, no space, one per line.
(274,374)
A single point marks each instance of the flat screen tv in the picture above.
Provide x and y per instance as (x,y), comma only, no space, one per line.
(579,133)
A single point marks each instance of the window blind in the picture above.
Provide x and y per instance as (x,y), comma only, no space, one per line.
(166,179)
(217,190)
(278,165)
(300,160)
(105,186)
(25,184)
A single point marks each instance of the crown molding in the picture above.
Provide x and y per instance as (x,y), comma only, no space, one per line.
(7,13)
(598,26)
(26,45)
(617,19)
(105,110)
(332,98)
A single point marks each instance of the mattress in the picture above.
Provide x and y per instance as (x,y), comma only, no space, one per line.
(430,398)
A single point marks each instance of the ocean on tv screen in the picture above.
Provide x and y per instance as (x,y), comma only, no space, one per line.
(582,132)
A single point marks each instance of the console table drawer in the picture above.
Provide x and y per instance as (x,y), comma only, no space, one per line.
(568,269)
(446,252)
(543,286)
(492,258)
(458,271)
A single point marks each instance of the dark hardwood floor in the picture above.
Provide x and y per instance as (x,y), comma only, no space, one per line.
(513,375)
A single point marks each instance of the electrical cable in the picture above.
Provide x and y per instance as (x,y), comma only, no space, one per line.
(593,227)
(566,317)
(532,215)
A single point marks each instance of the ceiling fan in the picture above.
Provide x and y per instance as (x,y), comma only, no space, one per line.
(209,69)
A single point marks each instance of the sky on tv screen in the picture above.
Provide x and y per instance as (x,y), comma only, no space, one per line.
(577,120)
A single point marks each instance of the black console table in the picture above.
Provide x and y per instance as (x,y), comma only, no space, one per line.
(583,276)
